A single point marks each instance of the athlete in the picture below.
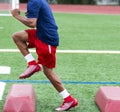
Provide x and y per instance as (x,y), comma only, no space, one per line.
(42,36)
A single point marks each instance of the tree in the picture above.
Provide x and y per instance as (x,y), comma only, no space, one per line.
(67,1)
(75,1)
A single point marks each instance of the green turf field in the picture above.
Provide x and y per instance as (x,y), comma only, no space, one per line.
(77,32)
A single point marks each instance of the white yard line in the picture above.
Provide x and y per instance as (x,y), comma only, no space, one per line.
(5,70)
(2,88)
(72,51)
(5,14)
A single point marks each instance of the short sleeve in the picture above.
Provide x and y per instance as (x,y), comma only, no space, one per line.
(33,8)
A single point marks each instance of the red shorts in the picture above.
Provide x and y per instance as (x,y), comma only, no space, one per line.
(46,53)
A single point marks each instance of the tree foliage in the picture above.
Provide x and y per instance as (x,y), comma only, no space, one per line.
(67,1)
(75,1)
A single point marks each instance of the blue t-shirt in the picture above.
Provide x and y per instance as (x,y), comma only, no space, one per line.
(46,25)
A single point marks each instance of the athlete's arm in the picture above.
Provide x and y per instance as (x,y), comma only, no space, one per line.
(30,22)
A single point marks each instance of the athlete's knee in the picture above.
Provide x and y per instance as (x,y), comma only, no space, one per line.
(15,36)
(20,36)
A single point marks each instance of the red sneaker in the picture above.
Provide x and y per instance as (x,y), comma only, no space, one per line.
(67,104)
(32,68)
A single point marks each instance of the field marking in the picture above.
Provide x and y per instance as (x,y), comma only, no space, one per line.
(5,70)
(71,51)
(65,82)
(5,15)
(2,88)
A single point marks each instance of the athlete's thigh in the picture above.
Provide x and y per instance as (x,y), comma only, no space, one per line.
(21,35)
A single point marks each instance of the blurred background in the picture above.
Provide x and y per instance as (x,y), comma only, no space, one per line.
(92,2)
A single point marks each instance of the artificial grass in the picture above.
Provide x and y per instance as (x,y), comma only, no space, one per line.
(77,32)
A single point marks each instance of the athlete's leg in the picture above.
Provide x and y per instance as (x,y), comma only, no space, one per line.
(69,102)
(20,39)
(47,57)
(50,74)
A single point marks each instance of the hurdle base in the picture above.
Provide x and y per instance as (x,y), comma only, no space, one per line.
(108,99)
(21,98)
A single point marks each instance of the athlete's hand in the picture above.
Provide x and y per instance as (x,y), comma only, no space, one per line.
(26,14)
(15,12)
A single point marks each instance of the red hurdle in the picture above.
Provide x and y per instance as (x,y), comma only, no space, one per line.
(108,99)
(21,98)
